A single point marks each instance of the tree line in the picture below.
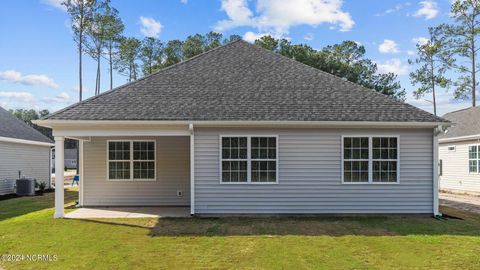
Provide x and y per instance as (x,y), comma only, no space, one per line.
(98,32)
(451,49)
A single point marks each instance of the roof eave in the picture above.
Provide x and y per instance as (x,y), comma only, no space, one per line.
(22,141)
(51,123)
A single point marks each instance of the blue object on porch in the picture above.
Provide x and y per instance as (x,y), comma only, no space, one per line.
(76,178)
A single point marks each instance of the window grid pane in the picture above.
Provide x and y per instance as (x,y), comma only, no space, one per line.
(234,159)
(384,159)
(356,156)
(263,159)
(119,170)
(119,150)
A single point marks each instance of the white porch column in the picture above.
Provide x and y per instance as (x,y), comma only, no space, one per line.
(59,167)
(192,170)
(80,166)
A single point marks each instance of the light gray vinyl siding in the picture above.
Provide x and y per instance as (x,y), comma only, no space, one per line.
(172,172)
(310,175)
(456,176)
(32,160)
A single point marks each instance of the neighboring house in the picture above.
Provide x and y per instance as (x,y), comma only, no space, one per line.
(460,152)
(24,151)
(242,130)
(70,158)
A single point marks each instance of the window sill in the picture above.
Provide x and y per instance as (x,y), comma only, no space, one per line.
(131,180)
(249,183)
(370,183)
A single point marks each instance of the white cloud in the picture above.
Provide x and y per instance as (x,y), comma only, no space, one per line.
(394,65)
(278,16)
(308,36)
(410,53)
(388,46)
(150,27)
(420,40)
(61,98)
(251,37)
(55,4)
(428,9)
(31,79)
(184,1)
(24,97)
(394,9)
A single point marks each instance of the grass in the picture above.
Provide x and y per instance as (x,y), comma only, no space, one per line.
(391,242)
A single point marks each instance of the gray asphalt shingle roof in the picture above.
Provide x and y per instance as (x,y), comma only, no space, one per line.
(240,81)
(465,122)
(12,127)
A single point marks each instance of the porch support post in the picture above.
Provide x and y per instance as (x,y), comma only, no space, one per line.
(80,166)
(59,167)
(436,211)
(192,170)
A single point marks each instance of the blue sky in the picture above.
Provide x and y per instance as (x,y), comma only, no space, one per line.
(39,65)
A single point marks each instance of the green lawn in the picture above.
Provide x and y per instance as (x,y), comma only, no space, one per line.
(27,227)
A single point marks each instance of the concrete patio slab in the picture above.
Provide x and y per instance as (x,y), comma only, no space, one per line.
(463,202)
(128,212)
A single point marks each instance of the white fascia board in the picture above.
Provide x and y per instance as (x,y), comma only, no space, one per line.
(460,138)
(361,124)
(21,141)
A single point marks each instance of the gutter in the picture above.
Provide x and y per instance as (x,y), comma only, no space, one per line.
(229,123)
(22,141)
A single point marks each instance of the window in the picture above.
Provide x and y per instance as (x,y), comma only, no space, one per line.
(131,160)
(249,159)
(474,158)
(355,164)
(384,159)
(370,159)
(452,148)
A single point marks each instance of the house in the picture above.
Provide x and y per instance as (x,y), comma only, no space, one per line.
(69,157)
(242,130)
(460,152)
(23,152)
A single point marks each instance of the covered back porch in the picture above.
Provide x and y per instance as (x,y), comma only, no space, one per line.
(137,170)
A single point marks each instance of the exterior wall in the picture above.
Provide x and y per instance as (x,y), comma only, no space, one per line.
(173,173)
(310,175)
(32,160)
(455,175)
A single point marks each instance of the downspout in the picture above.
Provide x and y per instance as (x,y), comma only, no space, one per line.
(436,132)
(192,169)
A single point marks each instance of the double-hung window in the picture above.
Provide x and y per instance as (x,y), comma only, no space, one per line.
(131,160)
(370,159)
(474,159)
(249,159)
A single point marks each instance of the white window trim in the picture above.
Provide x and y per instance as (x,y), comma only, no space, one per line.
(249,160)
(478,159)
(370,160)
(131,179)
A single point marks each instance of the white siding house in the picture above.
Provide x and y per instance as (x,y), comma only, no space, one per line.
(459,152)
(242,130)
(24,152)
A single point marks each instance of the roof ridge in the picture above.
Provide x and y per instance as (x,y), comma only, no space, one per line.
(141,79)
